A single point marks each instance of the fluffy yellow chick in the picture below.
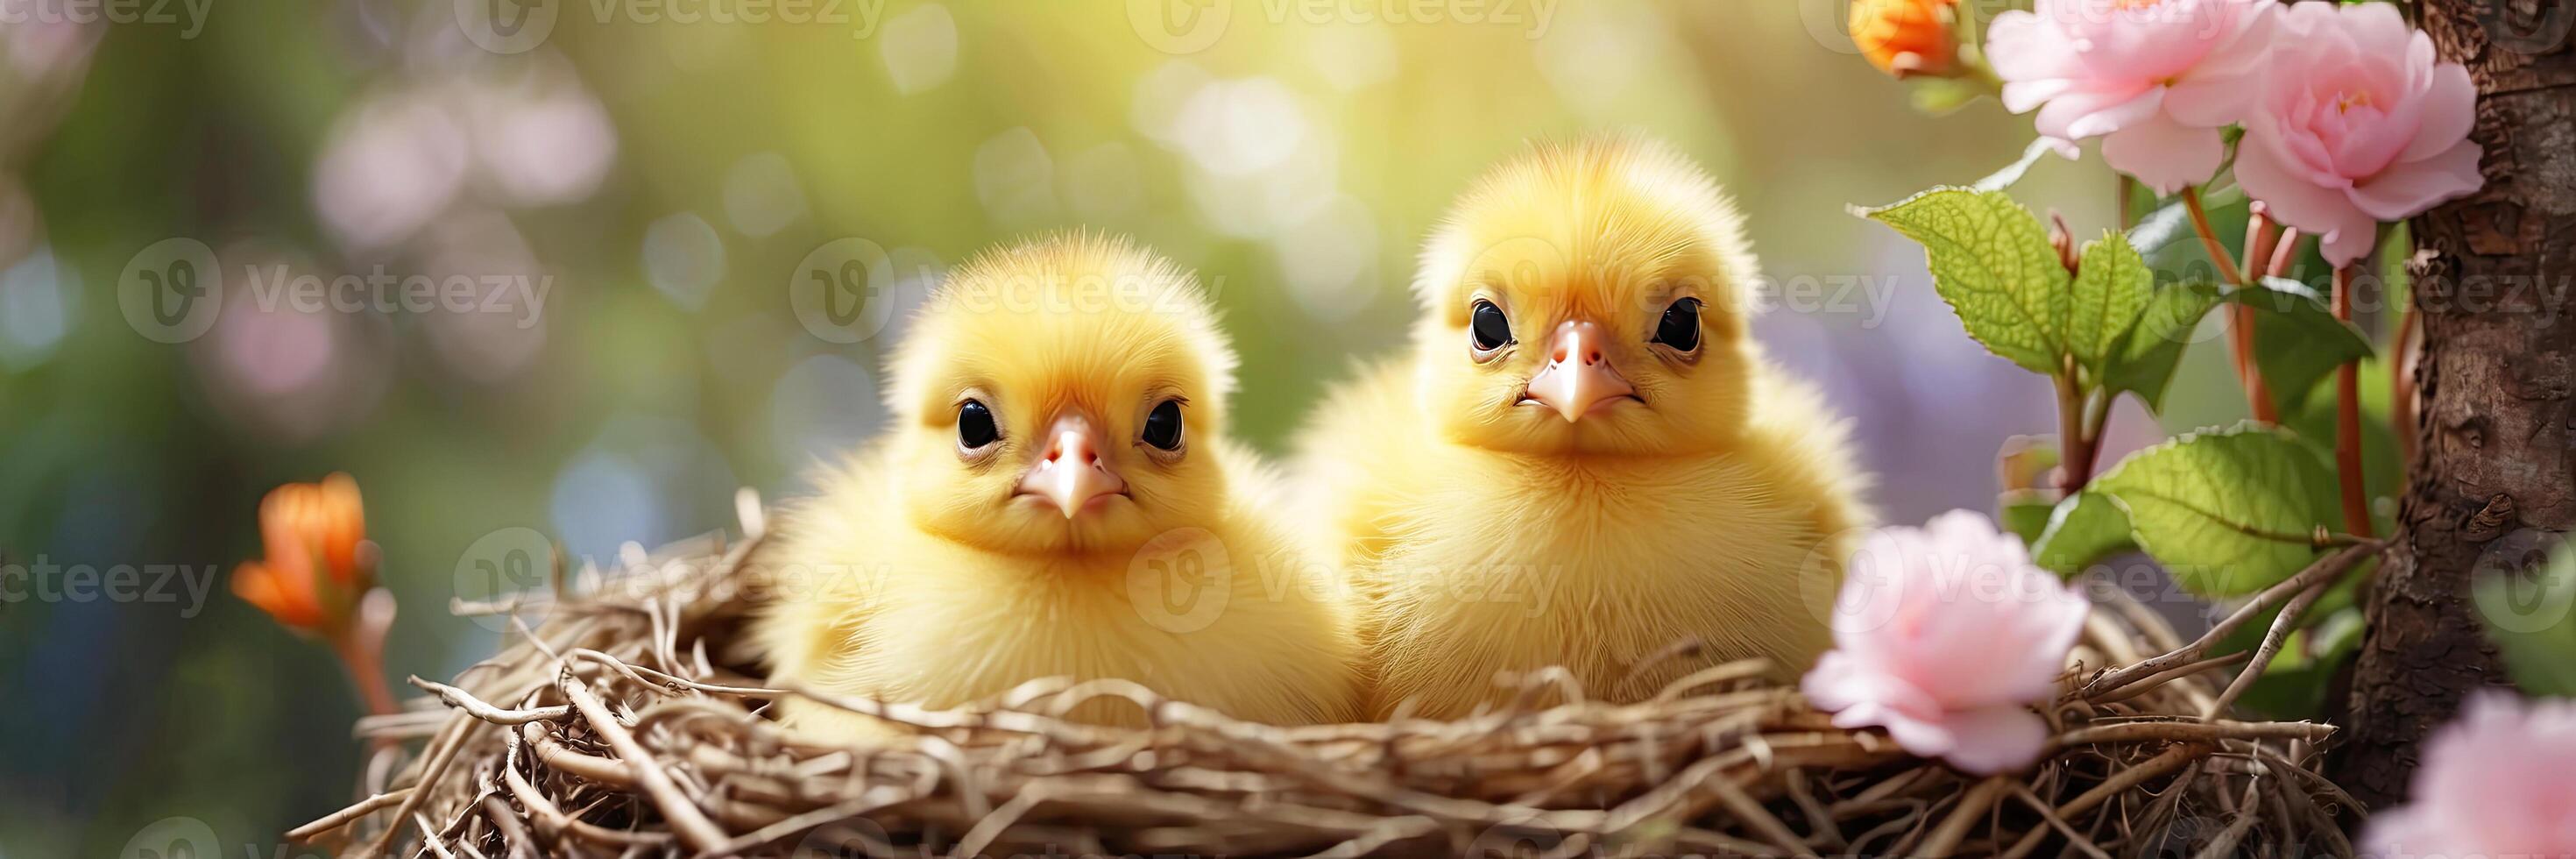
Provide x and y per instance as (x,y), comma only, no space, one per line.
(1583,458)
(1056,497)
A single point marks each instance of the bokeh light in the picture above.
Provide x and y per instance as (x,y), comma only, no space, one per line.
(648,189)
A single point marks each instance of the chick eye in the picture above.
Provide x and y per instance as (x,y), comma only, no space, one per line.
(1163,425)
(975,427)
(1489,326)
(1680,326)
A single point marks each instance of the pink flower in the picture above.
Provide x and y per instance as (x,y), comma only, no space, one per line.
(2155,79)
(2493,783)
(1944,635)
(2356,124)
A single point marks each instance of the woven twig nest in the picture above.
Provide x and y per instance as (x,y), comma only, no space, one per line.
(619,727)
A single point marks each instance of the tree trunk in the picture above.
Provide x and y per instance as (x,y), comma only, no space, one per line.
(2491,481)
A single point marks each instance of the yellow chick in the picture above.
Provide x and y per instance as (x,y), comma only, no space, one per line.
(1056,497)
(1583,459)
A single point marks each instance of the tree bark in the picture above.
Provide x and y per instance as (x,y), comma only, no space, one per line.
(2490,485)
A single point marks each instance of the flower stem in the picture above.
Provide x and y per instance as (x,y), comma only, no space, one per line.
(366,667)
(2240,318)
(2218,254)
(2076,434)
(2356,495)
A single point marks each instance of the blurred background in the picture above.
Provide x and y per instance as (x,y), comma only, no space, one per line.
(632,194)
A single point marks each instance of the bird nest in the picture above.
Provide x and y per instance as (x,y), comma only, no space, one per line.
(625,724)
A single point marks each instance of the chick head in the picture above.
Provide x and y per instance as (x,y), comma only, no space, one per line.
(1588,298)
(1062,395)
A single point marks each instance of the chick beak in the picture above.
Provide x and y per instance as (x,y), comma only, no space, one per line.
(1071,473)
(1578,378)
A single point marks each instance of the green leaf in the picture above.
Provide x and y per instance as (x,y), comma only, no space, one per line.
(2226,512)
(2144,362)
(2112,286)
(2082,531)
(2532,618)
(1991,261)
(2024,513)
(2160,228)
(2160,235)
(2012,172)
(2396,251)
(2297,340)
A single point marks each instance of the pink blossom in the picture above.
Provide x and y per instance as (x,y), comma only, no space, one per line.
(2493,783)
(1945,635)
(2356,124)
(2155,79)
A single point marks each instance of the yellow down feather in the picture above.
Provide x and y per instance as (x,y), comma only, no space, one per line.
(1489,536)
(916,575)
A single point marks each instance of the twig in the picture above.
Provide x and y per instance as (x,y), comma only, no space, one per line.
(2074,838)
(691,824)
(2195,732)
(476,707)
(441,754)
(2152,683)
(2282,624)
(1945,838)
(2323,569)
(2225,844)
(2120,781)
(343,816)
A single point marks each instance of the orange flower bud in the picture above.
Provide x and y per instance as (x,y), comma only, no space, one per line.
(1905,37)
(317,560)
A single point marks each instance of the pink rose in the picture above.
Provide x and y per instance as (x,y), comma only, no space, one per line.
(2155,79)
(2493,783)
(1945,635)
(2356,124)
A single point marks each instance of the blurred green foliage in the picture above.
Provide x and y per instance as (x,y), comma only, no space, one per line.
(650,392)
